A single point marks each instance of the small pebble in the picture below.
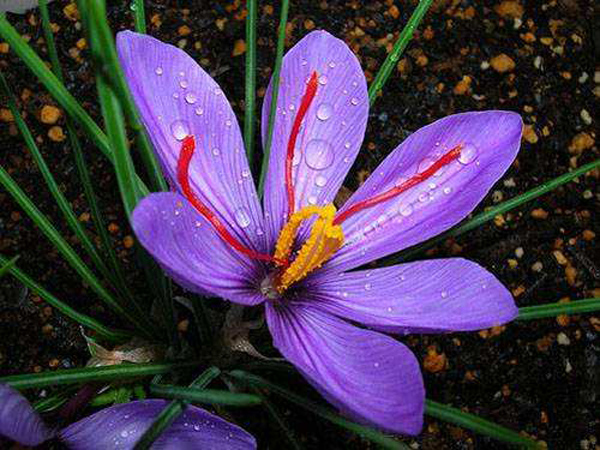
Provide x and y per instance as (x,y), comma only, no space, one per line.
(56,134)
(563,339)
(585,116)
(537,266)
(502,63)
(583,78)
(587,194)
(50,114)
(509,183)
(519,252)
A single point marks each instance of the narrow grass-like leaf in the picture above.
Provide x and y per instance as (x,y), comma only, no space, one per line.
(477,424)
(250,88)
(325,413)
(283,16)
(65,249)
(554,309)
(87,321)
(111,69)
(168,415)
(210,396)
(488,215)
(122,372)
(58,91)
(139,15)
(7,264)
(55,400)
(58,196)
(80,164)
(399,46)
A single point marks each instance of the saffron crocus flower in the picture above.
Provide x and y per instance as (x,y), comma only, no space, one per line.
(295,255)
(120,426)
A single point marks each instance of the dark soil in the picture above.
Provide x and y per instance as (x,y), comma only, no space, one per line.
(539,377)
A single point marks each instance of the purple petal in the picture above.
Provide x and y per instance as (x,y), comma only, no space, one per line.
(188,248)
(490,142)
(176,97)
(122,425)
(19,421)
(426,296)
(333,127)
(369,376)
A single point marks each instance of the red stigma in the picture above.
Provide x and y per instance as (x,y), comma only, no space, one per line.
(393,192)
(183,165)
(309,95)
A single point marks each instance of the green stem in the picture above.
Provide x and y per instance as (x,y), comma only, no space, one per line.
(139,16)
(488,215)
(250,99)
(120,373)
(555,309)
(274,94)
(210,396)
(477,424)
(104,332)
(7,264)
(168,415)
(399,47)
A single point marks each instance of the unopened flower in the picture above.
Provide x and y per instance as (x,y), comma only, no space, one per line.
(294,254)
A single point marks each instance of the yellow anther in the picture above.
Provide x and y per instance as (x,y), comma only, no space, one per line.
(324,240)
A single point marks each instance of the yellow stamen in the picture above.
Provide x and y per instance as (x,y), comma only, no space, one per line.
(324,240)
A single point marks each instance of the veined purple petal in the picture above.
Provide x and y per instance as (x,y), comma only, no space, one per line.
(332,130)
(19,422)
(369,376)
(490,141)
(188,248)
(122,425)
(176,98)
(422,297)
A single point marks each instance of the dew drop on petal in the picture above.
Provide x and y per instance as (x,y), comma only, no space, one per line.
(406,210)
(468,153)
(245,173)
(218,91)
(444,294)
(216,151)
(179,129)
(259,232)
(331,64)
(320,181)
(347,145)
(176,95)
(190,98)
(354,101)
(312,200)
(423,197)
(324,111)
(319,154)
(183,84)
(242,218)
(424,165)
(447,190)
(323,80)
(158,71)
(199,111)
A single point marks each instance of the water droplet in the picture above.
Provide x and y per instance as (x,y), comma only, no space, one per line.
(297,158)
(319,154)
(367,286)
(468,153)
(432,186)
(331,64)
(324,111)
(259,232)
(190,98)
(158,71)
(312,200)
(354,83)
(344,294)
(291,107)
(347,145)
(198,224)
(228,123)
(199,111)
(242,218)
(216,151)
(389,309)
(179,129)
(447,190)
(323,80)
(196,427)
(424,165)
(320,181)
(183,84)
(304,62)
(354,101)
(346,159)
(444,294)
(245,173)
(376,364)
(406,210)
(176,95)
(423,197)
(124,434)
(218,91)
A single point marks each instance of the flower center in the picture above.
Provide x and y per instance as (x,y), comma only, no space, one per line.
(324,240)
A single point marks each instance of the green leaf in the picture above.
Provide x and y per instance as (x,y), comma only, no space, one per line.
(399,46)
(285,4)
(139,16)
(7,264)
(58,196)
(103,331)
(488,215)
(210,396)
(325,413)
(477,424)
(122,372)
(555,309)
(250,89)
(168,415)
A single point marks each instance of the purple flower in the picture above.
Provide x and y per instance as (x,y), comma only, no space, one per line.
(212,236)
(121,426)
